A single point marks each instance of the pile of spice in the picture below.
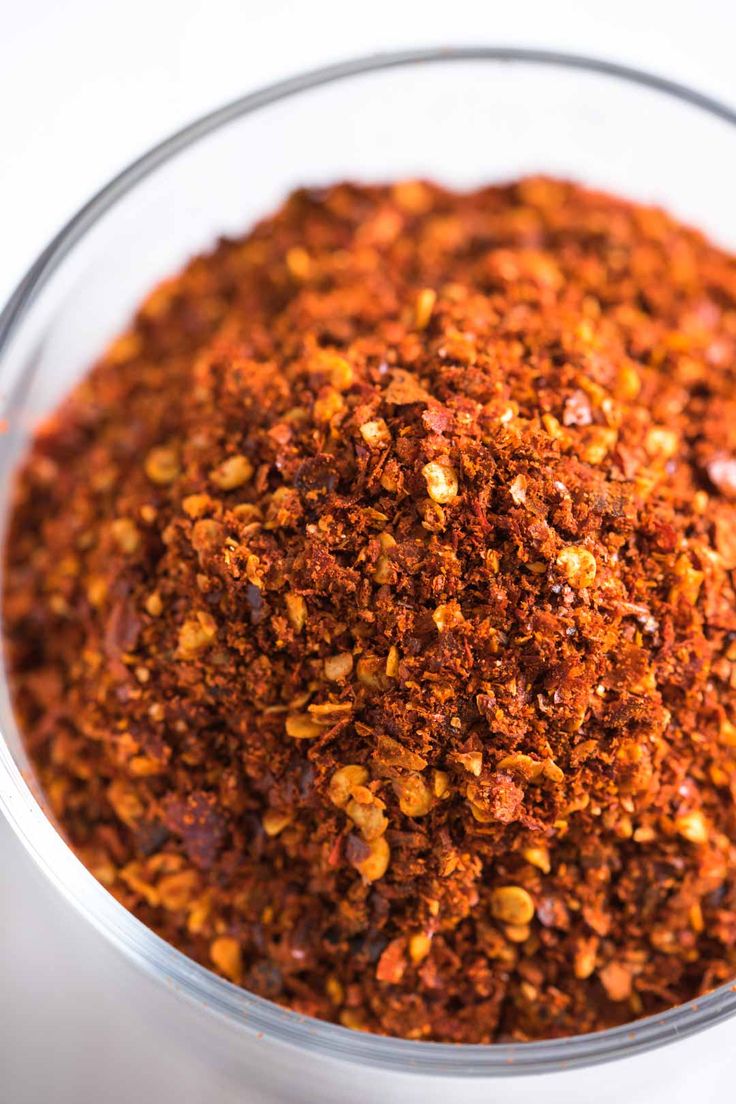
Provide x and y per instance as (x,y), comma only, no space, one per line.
(370,610)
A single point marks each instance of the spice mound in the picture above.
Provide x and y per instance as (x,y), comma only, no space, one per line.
(370,610)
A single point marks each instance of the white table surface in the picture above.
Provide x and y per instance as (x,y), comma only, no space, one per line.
(86,85)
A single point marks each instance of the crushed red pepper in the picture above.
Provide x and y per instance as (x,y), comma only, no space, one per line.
(370,610)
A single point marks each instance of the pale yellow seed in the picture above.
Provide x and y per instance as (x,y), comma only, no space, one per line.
(370,820)
(551,771)
(176,890)
(330,712)
(718,775)
(153,604)
(253,570)
(415,797)
(344,781)
(331,364)
(628,382)
(578,566)
(97,591)
(700,502)
(206,535)
(512,905)
(553,427)
(440,783)
(471,761)
(103,870)
(448,616)
(125,534)
(363,793)
(298,262)
(144,767)
(232,473)
(412,196)
(125,801)
(727,734)
(392,662)
(598,444)
(616,980)
(342,375)
(227,956)
(375,865)
(517,933)
(249,513)
(300,726)
(441,480)
(584,962)
(420,944)
(661,442)
(425,305)
(338,667)
(59,605)
(352,1019)
(376,433)
(196,505)
(334,990)
(296,611)
(692,827)
(538,856)
(162,465)
(383,573)
(689,581)
(327,406)
(274,821)
(197,633)
(199,915)
(518,763)
(696,918)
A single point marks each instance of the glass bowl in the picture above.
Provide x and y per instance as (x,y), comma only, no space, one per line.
(464,117)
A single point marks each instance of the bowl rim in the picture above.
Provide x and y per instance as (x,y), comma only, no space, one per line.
(158,958)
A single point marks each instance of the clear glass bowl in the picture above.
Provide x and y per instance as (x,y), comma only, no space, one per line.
(462,116)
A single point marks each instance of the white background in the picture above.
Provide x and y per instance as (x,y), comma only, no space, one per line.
(85,86)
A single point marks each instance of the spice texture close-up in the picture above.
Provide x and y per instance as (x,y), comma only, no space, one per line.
(370,616)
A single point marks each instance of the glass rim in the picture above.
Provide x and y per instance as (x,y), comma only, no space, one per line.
(41,839)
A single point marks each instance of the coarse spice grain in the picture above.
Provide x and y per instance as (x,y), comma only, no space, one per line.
(370,615)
